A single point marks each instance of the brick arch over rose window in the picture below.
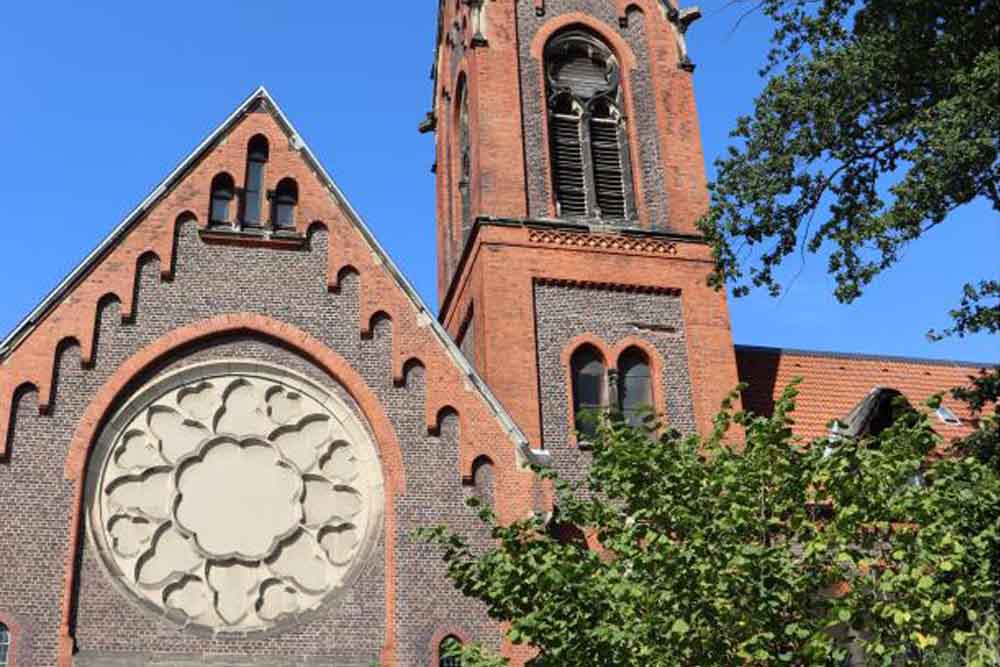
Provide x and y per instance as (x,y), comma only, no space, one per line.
(323,357)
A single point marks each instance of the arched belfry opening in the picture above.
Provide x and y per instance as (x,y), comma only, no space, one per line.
(588,140)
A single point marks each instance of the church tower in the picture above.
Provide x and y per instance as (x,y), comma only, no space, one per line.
(570,177)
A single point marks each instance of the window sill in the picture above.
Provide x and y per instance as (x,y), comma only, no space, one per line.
(257,237)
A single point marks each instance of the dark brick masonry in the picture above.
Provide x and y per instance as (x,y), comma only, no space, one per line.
(565,312)
(210,280)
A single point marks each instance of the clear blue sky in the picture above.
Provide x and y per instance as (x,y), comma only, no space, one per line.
(103,99)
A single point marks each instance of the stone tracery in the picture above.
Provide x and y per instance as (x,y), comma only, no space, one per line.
(231,497)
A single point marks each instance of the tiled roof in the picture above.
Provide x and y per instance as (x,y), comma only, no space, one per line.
(834,383)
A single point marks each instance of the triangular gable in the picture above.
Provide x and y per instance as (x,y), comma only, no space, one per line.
(28,355)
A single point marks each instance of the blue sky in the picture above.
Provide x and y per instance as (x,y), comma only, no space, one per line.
(103,100)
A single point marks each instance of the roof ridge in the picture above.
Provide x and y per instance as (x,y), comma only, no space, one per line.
(863,356)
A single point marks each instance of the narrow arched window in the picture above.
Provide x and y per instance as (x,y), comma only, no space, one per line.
(223,193)
(258,152)
(591,168)
(4,645)
(445,649)
(483,479)
(286,198)
(589,388)
(465,159)
(635,387)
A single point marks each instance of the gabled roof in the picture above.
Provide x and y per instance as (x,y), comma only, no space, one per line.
(835,383)
(78,274)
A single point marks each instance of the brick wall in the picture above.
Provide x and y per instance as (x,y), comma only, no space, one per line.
(607,318)
(321,298)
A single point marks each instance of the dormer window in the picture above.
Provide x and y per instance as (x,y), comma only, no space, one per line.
(877,412)
(286,198)
(591,169)
(948,417)
(258,152)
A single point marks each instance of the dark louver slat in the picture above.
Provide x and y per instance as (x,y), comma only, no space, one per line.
(568,165)
(609,174)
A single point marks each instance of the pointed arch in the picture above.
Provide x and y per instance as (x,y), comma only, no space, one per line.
(258,155)
(590,162)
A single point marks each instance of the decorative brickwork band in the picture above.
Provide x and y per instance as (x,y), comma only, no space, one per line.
(566,239)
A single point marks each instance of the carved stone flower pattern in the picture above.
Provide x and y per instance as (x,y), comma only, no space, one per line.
(235,501)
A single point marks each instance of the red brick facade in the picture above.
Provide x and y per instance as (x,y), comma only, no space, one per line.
(521,291)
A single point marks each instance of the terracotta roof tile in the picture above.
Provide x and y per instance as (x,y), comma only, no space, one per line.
(833,383)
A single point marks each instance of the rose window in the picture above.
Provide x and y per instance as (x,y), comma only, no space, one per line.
(233,496)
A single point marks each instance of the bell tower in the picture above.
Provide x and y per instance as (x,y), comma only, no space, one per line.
(570,177)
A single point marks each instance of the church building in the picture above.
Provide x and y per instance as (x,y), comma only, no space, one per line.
(219,433)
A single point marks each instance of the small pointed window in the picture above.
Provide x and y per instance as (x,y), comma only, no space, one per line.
(465,159)
(258,153)
(589,388)
(591,169)
(223,193)
(635,387)
(286,198)
(447,646)
(4,645)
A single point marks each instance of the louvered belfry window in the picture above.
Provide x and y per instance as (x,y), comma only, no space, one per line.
(589,148)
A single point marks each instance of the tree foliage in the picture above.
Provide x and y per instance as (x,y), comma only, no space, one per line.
(879,118)
(772,552)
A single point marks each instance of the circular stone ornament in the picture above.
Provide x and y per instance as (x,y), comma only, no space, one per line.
(235,497)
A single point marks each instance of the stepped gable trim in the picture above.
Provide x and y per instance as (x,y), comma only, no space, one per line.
(39,367)
(325,358)
(857,356)
(614,287)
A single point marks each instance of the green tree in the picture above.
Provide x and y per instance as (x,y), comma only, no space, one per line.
(769,552)
(879,118)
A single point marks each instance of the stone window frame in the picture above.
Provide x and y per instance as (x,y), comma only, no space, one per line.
(612,355)
(628,64)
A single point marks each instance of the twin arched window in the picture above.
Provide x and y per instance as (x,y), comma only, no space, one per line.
(4,645)
(591,168)
(629,388)
(285,197)
(446,645)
